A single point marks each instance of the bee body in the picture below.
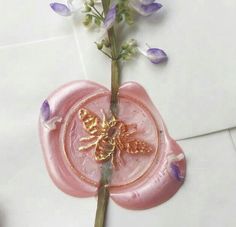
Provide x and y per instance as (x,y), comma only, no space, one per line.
(110,136)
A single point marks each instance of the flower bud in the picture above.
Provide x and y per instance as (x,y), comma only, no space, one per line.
(90,3)
(99,46)
(87,20)
(87,8)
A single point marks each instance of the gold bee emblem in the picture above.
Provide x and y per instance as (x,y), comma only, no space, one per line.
(110,137)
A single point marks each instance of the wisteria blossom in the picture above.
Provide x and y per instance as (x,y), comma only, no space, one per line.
(119,11)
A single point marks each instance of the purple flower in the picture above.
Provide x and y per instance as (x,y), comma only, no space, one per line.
(145,7)
(110,17)
(176,172)
(61,9)
(45,111)
(156,55)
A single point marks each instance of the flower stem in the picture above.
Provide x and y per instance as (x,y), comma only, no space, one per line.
(103,190)
(103,195)
(115,84)
(98,13)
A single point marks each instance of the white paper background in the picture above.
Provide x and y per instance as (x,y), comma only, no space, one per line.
(195,93)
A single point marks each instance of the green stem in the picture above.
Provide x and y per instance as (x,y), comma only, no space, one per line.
(115,84)
(98,13)
(106,54)
(103,190)
(105,5)
(103,195)
(95,15)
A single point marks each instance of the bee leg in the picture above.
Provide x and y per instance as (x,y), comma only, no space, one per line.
(120,160)
(118,151)
(133,128)
(130,133)
(113,161)
(86,138)
(104,117)
(87,147)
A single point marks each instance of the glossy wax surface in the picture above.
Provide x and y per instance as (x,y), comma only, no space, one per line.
(141,180)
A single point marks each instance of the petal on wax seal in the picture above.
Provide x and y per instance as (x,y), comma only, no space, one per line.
(176,172)
(141,177)
(45,111)
(173,166)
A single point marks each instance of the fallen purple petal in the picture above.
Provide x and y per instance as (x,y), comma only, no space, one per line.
(149,9)
(61,9)
(45,111)
(110,17)
(156,55)
(144,8)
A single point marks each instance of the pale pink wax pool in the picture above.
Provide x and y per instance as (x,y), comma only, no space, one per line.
(142,180)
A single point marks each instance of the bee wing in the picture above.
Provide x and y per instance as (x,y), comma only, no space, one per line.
(91,122)
(137,147)
(105,147)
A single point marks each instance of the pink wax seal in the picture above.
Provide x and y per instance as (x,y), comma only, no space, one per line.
(76,128)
